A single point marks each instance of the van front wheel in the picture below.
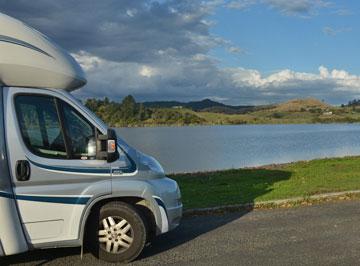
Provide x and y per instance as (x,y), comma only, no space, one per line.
(120,232)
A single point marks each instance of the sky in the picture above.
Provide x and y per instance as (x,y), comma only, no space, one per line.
(233,51)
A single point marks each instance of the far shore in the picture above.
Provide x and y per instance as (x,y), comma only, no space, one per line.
(129,113)
(250,124)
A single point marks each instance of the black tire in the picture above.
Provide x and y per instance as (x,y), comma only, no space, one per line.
(121,210)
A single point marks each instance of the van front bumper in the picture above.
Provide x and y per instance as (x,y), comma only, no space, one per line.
(168,198)
(174,216)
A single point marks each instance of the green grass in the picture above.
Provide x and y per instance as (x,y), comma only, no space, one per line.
(300,179)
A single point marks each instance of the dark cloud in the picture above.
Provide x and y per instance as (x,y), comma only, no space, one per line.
(126,30)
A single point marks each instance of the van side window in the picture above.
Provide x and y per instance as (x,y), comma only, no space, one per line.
(79,131)
(40,126)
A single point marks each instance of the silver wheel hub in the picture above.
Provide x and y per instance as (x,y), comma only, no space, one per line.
(115,234)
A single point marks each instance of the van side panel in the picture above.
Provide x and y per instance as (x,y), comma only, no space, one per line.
(51,203)
(12,238)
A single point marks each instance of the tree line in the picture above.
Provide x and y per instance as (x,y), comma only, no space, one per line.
(130,113)
(355,102)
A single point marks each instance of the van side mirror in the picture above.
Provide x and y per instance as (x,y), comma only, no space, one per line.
(106,146)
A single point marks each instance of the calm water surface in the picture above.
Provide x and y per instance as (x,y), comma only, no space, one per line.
(188,149)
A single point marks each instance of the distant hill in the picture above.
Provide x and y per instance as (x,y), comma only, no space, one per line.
(297,105)
(205,105)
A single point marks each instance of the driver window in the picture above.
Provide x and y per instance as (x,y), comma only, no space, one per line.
(40,126)
(79,132)
(52,128)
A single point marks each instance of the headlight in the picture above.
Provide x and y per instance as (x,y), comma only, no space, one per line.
(152,163)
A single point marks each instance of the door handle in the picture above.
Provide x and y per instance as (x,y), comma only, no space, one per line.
(23,170)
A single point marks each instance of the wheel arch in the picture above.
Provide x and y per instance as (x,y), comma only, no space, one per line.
(143,205)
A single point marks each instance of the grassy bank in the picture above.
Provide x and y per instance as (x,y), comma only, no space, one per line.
(300,179)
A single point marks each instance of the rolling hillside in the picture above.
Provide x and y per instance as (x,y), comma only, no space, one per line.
(298,105)
(208,112)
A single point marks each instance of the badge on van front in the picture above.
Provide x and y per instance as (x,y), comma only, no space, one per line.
(116,171)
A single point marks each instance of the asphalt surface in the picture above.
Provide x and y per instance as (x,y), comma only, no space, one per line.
(326,234)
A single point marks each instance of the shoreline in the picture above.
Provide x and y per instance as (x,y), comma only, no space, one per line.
(243,124)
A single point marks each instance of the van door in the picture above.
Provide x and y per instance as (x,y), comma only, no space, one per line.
(54,174)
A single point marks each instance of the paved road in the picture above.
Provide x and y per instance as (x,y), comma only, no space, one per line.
(327,234)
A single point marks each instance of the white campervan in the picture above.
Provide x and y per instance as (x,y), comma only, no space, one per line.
(65,178)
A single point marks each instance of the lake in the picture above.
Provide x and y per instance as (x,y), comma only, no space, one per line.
(200,148)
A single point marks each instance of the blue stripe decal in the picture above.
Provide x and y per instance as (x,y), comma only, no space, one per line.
(63,200)
(6,195)
(73,169)
(130,169)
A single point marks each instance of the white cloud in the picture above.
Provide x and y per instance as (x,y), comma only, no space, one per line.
(297,7)
(216,98)
(234,49)
(199,77)
(324,72)
(302,8)
(87,61)
(343,12)
(147,71)
(131,12)
(240,4)
(288,79)
(333,31)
